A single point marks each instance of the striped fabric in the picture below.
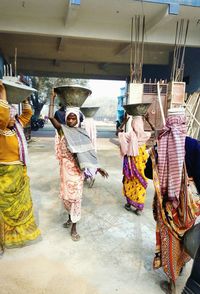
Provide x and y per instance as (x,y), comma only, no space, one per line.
(4,104)
(171,154)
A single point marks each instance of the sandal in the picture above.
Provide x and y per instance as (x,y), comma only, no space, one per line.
(67,224)
(127,207)
(137,212)
(91,183)
(1,250)
(75,236)
(166,288)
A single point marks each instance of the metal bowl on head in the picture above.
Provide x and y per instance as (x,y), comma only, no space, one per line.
(89,111)
(138,109)
(16,91)
(72,95)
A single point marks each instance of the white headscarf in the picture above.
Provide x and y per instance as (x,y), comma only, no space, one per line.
(74,110)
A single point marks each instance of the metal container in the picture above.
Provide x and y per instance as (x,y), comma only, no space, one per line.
(138,109)
(89,111)
(72,95)
(16,91)
(191,240)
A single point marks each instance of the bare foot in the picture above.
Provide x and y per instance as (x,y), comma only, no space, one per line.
(74,235)
(168,288)
(1,251)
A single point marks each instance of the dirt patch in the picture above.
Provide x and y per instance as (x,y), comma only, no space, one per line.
(40,276)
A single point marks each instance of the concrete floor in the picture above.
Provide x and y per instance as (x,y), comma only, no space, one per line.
(116,248)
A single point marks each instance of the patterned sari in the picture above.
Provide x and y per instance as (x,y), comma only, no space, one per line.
(134,180)
(71,180)
(17,224)
(171,225)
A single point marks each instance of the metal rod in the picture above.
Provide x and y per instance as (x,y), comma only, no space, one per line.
(179,50)
(183,53)
(160,103)
(174,55)
(135,53)
(15,64)
(11,70)
(131,54)
(142,50)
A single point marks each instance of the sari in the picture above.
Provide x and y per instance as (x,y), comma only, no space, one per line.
(171,225)
(17,224)
(134,179)
(71,180)
(133,150)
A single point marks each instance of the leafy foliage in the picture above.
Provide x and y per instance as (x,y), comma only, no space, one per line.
(44,85)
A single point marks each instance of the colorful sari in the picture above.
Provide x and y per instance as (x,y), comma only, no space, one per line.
(171,225)
(71,180)
(17,224)
(134,180)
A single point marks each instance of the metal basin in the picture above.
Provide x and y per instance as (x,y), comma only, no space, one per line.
(89,111)
(137,109)
(72,95)
(16,91)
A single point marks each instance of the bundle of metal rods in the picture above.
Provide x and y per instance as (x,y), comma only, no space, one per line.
(136,66)
(179,50)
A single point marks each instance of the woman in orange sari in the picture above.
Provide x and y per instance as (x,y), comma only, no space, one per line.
(175,209)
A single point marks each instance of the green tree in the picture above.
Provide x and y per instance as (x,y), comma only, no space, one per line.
(44,85)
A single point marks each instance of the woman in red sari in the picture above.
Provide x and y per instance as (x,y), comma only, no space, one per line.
(175,209)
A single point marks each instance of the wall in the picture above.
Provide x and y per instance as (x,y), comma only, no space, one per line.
(1,66)
(156,72)
(191,73)
(192,69)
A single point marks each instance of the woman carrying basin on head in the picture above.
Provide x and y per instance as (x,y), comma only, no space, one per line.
(17,224)
(133,150)
(75,153)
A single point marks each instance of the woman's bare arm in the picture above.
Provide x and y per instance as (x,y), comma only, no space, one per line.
(120,128)
(146,117)
(53,120)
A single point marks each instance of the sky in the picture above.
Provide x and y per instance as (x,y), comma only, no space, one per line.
(102,88)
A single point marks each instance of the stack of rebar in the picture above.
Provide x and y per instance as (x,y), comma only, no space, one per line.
(179,50)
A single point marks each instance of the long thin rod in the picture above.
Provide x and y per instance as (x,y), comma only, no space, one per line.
(15,63)
(142,50)
(174,55)
(131,55)
(160,103)
(183,53)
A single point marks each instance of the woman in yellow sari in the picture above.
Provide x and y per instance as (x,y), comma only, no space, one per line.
(17,224)
(133,150)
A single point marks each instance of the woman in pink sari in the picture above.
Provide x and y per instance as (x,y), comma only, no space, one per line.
(71,165)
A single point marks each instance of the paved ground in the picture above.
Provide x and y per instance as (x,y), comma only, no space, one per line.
(114,255)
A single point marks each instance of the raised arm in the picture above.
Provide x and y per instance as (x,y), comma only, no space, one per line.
(53,120)
(120,128)
(146,117)
(26,113)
